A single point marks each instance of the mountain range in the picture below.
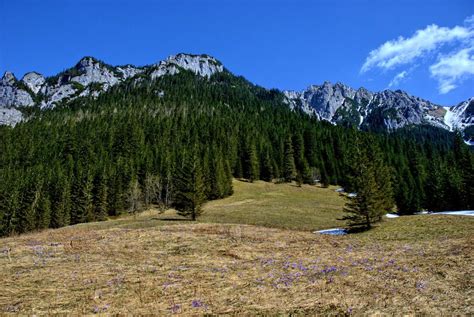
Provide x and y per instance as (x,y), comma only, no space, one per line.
(336,103)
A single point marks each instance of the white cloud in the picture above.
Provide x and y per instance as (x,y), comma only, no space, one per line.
(398,78)
(451,69)
(469,21)
(406,50)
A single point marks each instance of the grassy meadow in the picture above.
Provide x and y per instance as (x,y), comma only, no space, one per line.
(251,253)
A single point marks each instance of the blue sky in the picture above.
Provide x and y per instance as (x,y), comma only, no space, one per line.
(277,44)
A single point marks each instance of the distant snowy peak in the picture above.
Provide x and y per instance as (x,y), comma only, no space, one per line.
(389,110)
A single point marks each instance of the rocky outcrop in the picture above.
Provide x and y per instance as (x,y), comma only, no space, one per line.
(323,100)
(11,93)
(58,93)
(93,71)
(393,109)
(10,116)
(128,71)
(33,81)
(202,65)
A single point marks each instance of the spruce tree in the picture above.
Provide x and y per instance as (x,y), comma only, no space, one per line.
(189,187)
(267,168)
(289,171)
(435,200)
(250,163)
(370,202)
(100,198)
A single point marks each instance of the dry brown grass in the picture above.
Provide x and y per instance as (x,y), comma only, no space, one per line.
(241,269)
(437,113)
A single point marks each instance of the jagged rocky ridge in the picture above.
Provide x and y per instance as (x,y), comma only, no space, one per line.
(336,103)
(89,77)
(387,110)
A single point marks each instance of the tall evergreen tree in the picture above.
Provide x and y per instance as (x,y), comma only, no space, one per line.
(370,202)
(189,187)
(250,163)
(289,171)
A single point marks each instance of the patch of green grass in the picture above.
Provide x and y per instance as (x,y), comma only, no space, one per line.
(421,228)
(284,206)
(278,206)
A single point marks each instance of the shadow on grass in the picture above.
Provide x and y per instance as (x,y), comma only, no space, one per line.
(172,219)
(356,230)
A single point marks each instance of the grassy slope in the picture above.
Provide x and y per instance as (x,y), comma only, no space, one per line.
(278,205)
(284,206)
(420,264)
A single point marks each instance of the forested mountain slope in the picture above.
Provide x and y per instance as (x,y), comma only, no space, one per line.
(100,155)
(337,103)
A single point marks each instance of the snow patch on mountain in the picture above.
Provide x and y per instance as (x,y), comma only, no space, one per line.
(461,116)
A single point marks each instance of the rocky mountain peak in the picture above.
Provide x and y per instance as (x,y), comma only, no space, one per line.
(10,96)
(87,62)
(202,65)
(363,96)
(460,116)
(327,98)
(34,81)
(93,71)
(8,78)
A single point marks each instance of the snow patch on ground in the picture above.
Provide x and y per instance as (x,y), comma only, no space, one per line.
(342,231)
(421,213)
(334,231)
(458,213)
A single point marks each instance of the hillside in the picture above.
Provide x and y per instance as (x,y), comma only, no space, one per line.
(152,263)
(135,143)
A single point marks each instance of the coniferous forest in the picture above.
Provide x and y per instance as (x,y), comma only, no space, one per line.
(180,140)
